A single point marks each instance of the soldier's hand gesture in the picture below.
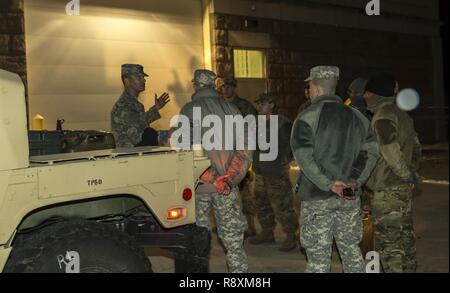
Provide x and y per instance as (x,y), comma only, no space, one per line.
(161,101)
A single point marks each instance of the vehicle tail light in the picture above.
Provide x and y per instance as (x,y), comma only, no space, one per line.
(187,194)
(176,213)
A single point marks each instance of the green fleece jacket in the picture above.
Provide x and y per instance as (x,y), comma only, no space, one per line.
(330,142)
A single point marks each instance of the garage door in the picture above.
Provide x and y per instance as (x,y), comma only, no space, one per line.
(73,62)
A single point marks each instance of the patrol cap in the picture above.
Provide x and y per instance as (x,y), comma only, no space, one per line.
(266,97)
(323,72)
(133,69)
(231,81)
(358,85)
(204,77)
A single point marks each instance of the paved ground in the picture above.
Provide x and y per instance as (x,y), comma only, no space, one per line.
(430,218)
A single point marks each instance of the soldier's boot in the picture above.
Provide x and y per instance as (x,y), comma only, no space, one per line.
(251,230)
(288,244)
(266,236)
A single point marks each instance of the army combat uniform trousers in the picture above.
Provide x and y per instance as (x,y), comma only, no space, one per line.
(323,220)
(274,200)
(246,189)
(394,232)
(230,222)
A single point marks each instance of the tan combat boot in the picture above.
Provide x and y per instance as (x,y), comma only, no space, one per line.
(265,237)
(288,244)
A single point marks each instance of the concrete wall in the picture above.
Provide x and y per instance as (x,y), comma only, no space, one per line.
(300,34)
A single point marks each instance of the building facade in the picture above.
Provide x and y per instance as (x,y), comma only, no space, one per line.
(71,63)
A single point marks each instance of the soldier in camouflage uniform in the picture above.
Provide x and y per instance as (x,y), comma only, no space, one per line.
(273,190)
(217,190)
(327,139)
(129,120)
(393,177)
(246,186)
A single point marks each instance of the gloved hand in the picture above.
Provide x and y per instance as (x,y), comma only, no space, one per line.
(415,179)
(240,162)
(222,184)
(208,176)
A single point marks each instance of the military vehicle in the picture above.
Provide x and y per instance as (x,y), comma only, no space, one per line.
(93,211)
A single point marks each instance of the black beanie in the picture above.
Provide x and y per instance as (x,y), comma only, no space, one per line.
(381,84)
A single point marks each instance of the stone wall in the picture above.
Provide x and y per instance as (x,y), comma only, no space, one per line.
(12,38)
(296,47)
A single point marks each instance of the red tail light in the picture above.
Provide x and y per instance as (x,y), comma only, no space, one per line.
(187,194)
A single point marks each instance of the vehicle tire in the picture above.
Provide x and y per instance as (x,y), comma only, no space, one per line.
(195,258)
(191,264)
(101,249)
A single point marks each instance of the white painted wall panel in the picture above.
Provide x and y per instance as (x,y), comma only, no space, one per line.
(73,62)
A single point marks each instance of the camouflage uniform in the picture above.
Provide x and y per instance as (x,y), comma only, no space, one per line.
(247,193)
(244,106)
(320,221)
(394,232)
(391,182)
(331,142)
(246,187)
(231,225)
(273,190)
(129,120)
(274,200)
(230,221)
(128,116)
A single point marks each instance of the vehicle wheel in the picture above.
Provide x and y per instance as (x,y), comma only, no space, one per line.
(66,246)
(195,258)
(191,264)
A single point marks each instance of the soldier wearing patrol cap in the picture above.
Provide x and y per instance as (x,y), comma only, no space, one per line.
(229,93)
(273,190)
(326,140)
(217,190)
(129,120)
(356,99)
